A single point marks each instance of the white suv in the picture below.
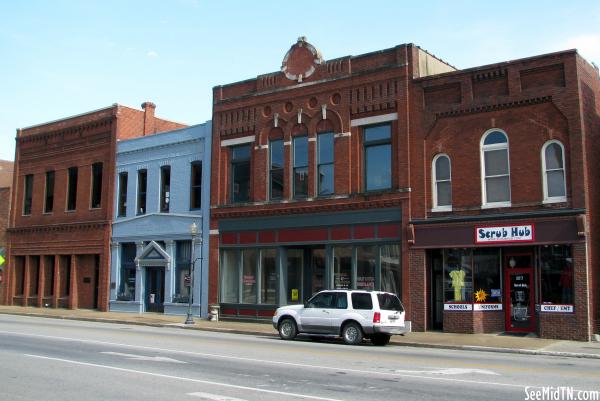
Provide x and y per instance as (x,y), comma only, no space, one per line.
(352,314)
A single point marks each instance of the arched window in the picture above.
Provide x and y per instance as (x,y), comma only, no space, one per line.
(553,170)
(495,169)
(442,183)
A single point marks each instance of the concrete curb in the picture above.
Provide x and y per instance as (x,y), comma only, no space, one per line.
(260,333)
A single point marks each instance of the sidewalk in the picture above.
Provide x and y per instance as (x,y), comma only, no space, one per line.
(470,342)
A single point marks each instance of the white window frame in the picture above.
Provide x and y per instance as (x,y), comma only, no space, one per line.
(553,199)
(434,181)
(482,149)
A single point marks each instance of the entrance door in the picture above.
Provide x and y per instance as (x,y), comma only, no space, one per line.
(519,293)
(155,289)
(437,290)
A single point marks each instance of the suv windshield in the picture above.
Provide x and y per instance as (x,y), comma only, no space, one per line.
(390,302)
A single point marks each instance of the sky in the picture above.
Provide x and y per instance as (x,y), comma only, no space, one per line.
(60,58)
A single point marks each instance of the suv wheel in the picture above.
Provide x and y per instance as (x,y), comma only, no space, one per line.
(352,333)
(380,339)
(288,329)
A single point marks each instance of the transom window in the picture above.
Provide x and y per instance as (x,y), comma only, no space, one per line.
(553,165)
(442,183)
(495,169)
(378,157)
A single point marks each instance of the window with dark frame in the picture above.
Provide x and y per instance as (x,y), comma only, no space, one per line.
(128,272)
(28,196)
(377,142)
(141,193)
(96,185)
(240,173)
(196,185)
(122,209)
(325,169)
(72,188)
(165,188)
(49,195)
(557,281)
(183,258)
(276,169)
(300,151)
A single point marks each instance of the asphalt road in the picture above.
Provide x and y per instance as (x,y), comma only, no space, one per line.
(49,359)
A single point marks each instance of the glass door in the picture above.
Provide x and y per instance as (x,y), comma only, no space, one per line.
(155,289)
(519,293)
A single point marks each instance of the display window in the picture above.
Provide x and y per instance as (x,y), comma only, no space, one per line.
(458,273)
(556,274)
(486,275)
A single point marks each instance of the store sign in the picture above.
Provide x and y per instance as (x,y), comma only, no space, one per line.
(557,308)
(458,307)
(504,234)
(487,307)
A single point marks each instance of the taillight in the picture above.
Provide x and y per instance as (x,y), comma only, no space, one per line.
(376,317)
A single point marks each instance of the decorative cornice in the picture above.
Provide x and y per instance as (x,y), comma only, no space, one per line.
(44,136)
(50,228)
(494,107)
(288,208)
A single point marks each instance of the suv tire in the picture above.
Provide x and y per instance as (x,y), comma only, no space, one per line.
(352,333)
(287,329)
(380,339)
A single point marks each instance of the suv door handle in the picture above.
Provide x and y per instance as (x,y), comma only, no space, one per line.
(326,311)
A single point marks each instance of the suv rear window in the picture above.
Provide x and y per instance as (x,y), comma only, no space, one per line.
(389,302)
(362,301)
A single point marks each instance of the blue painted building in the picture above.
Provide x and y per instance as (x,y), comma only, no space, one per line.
(159,246)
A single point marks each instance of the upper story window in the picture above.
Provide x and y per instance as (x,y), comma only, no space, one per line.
(142,187)
(276,169)
(300,150)
(49,195)
(122,206)
(553,166)
(495,169)
(325,164)
(96,185)
(377,142)
(165,188)
(196,185)
(28,198)
(240,173)
(72,173)
(442,183)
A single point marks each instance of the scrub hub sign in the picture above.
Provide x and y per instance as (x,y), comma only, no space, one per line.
(504,234)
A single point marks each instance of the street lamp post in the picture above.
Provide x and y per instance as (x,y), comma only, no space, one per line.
(194,231)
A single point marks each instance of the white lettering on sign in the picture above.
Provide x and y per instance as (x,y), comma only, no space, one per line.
(460,307)
(487,307)
(557,308)
(486,235)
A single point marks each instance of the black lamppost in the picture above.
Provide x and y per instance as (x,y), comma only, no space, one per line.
(194,231)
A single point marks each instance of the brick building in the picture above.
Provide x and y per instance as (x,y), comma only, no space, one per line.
(60,222)
(469,193)
(6,176)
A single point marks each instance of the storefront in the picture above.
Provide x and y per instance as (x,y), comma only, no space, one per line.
(276,261)
(516,274)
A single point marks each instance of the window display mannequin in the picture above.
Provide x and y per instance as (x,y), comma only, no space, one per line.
(458,284)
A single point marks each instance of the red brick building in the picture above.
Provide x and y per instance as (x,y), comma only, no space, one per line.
(59,229)
(6,175)
(469,193)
